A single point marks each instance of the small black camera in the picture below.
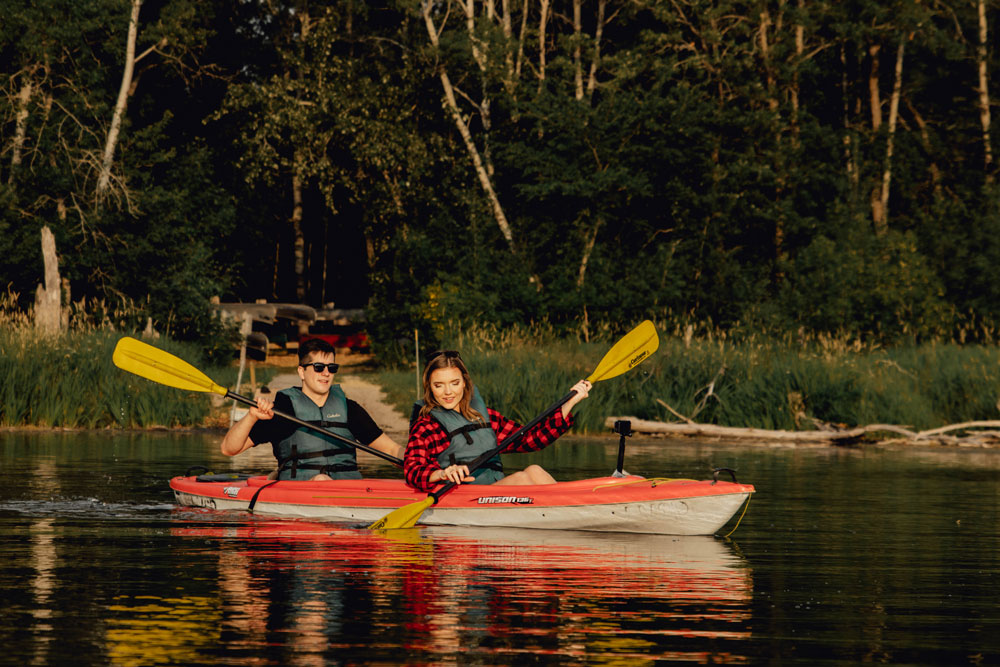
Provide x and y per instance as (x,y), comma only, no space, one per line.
(623,426)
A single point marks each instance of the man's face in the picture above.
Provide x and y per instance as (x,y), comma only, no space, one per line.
(317,382)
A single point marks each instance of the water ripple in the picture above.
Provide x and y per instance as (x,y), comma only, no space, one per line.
(90,507)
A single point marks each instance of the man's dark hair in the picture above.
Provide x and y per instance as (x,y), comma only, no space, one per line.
(312,345)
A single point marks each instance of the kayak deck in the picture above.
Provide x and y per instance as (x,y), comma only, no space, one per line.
(628,504)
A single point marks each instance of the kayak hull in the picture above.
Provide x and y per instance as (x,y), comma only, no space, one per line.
(629,504)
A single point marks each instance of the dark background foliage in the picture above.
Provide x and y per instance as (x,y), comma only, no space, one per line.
(712,162)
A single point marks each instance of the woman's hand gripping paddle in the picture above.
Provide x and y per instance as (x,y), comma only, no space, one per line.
(162,367)
(626,354)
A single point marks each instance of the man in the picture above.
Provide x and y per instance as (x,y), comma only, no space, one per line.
(303,453)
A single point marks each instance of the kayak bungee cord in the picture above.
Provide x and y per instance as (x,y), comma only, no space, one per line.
(742,514)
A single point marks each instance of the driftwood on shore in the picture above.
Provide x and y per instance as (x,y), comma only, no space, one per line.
(830,435)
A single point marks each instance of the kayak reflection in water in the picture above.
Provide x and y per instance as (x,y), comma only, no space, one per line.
(452,426)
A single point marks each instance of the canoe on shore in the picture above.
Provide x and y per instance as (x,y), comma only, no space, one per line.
(622,504)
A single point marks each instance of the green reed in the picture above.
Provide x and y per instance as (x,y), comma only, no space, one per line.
(779,383)
(69,381)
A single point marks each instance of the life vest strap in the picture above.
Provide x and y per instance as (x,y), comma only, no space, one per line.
(466,430)
(292,462)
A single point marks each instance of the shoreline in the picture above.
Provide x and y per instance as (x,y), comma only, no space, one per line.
(637,439)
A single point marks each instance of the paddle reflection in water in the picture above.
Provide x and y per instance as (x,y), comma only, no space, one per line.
(154,630)
(450,594)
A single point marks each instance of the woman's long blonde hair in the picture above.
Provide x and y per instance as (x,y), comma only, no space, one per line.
(449,359)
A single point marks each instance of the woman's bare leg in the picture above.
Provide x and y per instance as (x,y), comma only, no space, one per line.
(531,475)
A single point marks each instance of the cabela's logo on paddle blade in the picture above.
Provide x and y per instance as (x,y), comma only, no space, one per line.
(504,500)
(637,358)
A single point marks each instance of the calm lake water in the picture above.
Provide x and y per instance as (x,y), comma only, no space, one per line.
(844,556)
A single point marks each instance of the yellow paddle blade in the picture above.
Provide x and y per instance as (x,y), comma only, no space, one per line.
(154,364)
(628,352)
(404,517)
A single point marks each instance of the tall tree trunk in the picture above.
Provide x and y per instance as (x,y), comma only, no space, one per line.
(104,177)
(577,36)
(984,92)
(874,93)
(543,21)
(480,56)
(765,54)
(578,48)
(882,222)
(20,125)
(521,39)
(482,170)
(478,52)
(477,161)
(800,49)
(875,105)
(602,6)
(509,81)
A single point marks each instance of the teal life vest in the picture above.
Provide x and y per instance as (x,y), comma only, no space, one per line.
(468,439)
(306,453)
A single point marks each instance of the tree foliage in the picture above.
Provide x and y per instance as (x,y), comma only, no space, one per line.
(824,166)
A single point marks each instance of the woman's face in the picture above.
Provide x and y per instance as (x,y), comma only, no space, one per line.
(447,387)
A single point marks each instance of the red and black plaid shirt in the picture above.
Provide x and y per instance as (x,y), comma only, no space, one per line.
(428,439)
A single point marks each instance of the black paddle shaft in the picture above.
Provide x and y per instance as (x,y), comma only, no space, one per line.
(514,437)
(347,441)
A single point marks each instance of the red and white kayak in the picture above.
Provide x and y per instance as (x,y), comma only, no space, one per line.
(624,504)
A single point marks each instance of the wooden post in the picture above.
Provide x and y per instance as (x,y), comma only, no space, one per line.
(48,298)
(246,326)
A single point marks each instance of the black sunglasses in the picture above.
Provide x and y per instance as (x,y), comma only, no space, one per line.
(447,354)
(318,367)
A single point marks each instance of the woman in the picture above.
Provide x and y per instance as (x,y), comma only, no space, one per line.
(454,427)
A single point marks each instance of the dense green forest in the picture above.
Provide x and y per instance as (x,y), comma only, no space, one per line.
(824,167)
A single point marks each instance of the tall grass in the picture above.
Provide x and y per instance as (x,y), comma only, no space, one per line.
(754,382)
(70,381)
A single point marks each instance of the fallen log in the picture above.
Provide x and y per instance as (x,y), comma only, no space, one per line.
(839,436)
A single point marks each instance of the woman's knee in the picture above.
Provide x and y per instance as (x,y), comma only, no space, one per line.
(539,475)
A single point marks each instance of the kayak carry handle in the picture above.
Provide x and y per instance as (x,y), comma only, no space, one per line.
(716,471)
